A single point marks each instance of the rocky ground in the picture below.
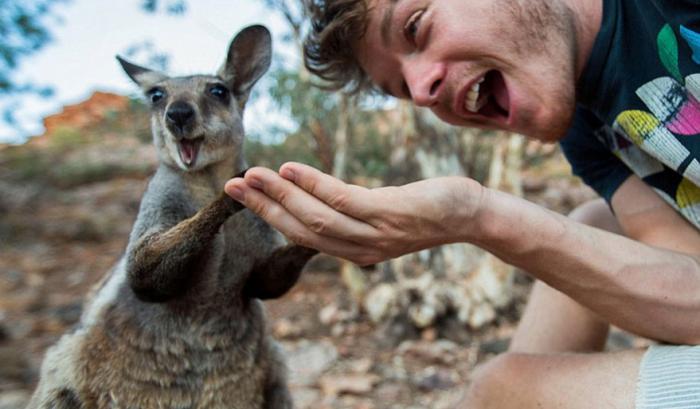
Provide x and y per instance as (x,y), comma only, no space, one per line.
(55,244)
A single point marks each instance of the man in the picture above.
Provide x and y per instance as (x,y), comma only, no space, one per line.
(616,81)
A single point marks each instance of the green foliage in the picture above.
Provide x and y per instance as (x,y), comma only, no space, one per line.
(315,111)
(169,6)
(301,100)
(23,32)
(56,165)
(66,139)
(21,164)
(71,157)
(294,148)
(70,174)
(369,151)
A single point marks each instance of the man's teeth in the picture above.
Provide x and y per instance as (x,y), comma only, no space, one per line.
(472,102)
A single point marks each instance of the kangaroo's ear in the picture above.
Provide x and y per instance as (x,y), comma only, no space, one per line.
(249,57)
(143,77)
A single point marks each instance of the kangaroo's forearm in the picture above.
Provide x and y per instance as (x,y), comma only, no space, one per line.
(648,290)
(160,266)
(277,274)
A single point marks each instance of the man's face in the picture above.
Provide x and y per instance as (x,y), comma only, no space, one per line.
(504,64)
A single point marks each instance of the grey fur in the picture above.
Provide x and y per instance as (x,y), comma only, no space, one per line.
(178,322)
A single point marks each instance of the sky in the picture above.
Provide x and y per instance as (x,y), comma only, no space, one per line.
(89,33)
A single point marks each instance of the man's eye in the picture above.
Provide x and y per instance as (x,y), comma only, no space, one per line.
(410,29)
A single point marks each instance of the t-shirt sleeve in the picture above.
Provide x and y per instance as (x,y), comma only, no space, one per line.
(590,159)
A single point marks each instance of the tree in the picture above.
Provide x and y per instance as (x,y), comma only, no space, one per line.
(323,116)
(168,6)
(23,30)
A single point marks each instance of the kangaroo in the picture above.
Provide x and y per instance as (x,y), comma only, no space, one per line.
(178,321)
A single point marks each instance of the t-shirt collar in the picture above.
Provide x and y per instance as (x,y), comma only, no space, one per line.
(589,86)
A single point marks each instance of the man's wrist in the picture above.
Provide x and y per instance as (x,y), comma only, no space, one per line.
(475,215)
(500,223)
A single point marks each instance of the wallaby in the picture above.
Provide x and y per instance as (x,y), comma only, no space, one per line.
(178,322)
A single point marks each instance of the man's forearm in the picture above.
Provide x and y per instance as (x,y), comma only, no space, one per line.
(647,290)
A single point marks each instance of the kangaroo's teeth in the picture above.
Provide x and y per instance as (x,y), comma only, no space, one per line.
(472,102)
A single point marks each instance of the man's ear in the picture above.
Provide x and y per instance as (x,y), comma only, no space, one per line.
(143,77)
(249,57)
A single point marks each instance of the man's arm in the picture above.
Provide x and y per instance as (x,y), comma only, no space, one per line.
(649,290)
(648,282)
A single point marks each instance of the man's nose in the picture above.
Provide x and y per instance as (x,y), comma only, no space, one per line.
(425,83)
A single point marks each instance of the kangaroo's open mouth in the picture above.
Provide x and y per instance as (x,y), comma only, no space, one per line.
(189,149)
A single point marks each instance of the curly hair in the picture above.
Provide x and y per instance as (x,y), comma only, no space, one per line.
(336,25)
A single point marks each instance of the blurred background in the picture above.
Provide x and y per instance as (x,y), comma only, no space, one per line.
(76,154)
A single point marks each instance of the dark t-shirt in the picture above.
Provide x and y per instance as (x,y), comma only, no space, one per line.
(638,110)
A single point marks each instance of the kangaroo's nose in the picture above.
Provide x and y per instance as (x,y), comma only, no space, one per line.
(180,114)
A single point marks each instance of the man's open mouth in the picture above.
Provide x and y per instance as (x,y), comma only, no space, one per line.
(488,97)
(189,149)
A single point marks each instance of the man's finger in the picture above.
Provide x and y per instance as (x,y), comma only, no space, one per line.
(291,227)
(315,214)
(352,200)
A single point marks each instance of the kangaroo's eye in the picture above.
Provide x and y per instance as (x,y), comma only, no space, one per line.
(155,95)
(410,29)
(219,91)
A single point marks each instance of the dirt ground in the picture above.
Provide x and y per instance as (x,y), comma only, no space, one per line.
(56,245)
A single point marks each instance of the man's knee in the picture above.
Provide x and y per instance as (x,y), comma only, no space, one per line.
(596,213)
(492,382)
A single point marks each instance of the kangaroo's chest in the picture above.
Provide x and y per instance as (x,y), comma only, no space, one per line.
(127,368)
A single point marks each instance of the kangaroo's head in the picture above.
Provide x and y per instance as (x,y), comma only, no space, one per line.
(198,120)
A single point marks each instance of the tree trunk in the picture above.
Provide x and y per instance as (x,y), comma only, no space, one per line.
(341,137)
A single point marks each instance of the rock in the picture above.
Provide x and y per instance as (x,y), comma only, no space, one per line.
(338,330)
(433,378)
(429,334)
(14,399)
(379,301)
(305,397)
(495,279)
(390,392)
(453,329)
(15,197)
(11,280)
(330,314)
(14,368)
(308,360)
(284,328)
(357,384)
(83,114)
(481,315)
(396,330)
(495,346)
(422,315)
(439,352)
(355,280)
(25,299)
(362,365)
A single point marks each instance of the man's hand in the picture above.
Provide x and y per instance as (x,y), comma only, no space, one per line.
(362,225)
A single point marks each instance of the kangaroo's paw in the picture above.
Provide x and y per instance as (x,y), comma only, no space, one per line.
(274,276)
